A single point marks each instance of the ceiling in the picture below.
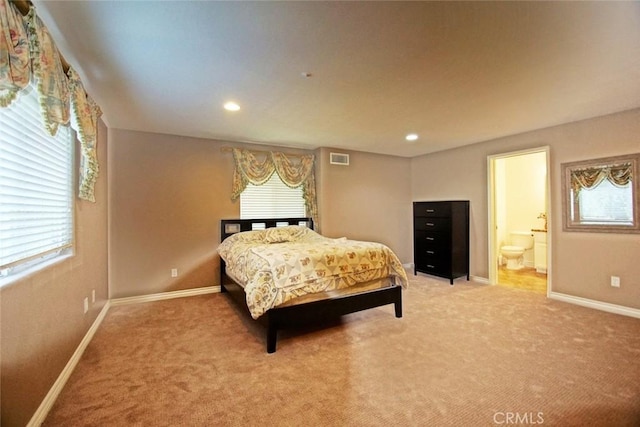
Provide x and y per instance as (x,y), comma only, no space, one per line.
(455,73)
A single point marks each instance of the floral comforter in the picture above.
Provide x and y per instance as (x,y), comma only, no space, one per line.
(278,264)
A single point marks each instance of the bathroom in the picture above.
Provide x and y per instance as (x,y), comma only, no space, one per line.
(521,224)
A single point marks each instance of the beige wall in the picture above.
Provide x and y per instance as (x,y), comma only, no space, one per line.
(581,262)
(167,196)
(42,315)
(368,200)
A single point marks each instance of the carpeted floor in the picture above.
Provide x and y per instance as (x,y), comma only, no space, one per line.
(462,355)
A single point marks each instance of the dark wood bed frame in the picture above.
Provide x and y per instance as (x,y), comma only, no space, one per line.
(295,315)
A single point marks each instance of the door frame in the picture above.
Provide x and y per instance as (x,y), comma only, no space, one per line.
(491,191)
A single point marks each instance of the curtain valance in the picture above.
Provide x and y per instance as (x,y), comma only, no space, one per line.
(619,175)
(84,119)
(15,60)
(294,172)
(46,64)
(28,53)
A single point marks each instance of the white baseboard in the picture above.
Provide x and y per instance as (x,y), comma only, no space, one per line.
(585,302)
(48,401)
(598,305)
(165,295)
(481,280)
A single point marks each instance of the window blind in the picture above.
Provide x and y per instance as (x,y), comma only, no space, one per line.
(606,204)
(273,199)
(36,195)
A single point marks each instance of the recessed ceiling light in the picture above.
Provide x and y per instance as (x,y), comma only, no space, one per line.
(231,106)
(411,137)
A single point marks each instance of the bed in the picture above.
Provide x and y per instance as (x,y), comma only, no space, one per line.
(280,251)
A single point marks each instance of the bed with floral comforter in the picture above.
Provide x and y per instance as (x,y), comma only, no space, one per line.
(276,265)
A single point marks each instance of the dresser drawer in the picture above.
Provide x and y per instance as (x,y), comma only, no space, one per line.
(425,251)
(432,240)
(431,223)
(433,265)
(438,209)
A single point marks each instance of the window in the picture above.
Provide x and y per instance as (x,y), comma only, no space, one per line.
(36,188)
(605,204)
(273,199)
(602,195)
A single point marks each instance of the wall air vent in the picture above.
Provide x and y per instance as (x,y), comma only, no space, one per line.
(339,159)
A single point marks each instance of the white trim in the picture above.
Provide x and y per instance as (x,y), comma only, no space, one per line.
(165,295)
(598,305)
(492,254)
(19,273)
(48,401)
(481,280)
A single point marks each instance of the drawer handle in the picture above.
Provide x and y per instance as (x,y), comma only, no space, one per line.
(430,266)
(431,210)
(430,252)
(430,238)
(430,224)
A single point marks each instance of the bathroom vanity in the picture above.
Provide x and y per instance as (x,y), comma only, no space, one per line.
(540,250)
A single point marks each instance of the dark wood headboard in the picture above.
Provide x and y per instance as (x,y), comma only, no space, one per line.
(232,226)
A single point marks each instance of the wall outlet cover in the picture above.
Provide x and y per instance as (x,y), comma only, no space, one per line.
(615,281)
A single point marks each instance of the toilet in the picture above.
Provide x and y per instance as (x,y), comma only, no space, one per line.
(520,241)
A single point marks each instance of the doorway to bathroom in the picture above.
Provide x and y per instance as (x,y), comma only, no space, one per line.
(519,230)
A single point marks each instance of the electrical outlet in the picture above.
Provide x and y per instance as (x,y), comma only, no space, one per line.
(174,272)
(86,304)
(615,281)
(93,296)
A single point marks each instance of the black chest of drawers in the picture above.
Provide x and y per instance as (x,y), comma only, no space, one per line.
(441,238)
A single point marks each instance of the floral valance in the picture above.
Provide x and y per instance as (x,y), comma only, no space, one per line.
(28,54)
(294,172)
(84,119)
(15,60)
(619,175)
(53,85)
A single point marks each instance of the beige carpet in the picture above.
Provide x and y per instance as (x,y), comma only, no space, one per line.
(462,355)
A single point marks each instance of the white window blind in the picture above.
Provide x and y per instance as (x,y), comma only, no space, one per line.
(36,195)
(606,204)
(272,200)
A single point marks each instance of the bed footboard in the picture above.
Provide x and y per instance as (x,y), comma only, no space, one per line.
(285,317)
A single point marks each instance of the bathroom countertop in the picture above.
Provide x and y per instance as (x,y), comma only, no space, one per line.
(538,230)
